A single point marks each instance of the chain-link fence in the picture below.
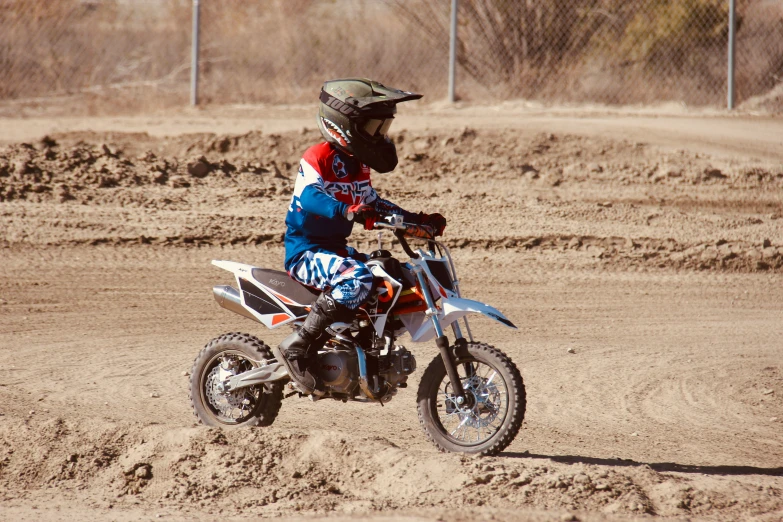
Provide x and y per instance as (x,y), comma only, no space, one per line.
(127,55)
(110,54)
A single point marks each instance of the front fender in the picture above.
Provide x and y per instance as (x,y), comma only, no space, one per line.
(456,307)
(452,309)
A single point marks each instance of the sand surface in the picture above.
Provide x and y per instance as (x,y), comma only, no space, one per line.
(641,256)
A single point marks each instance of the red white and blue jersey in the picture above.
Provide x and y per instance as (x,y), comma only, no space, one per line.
(328,182)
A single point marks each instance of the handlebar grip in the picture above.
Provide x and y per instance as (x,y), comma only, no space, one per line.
(422,231)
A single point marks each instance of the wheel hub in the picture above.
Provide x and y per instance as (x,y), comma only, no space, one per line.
(479,408)
(226,403)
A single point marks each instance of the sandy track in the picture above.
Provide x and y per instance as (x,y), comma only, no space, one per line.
(656,405)
(666,285)
(712,132)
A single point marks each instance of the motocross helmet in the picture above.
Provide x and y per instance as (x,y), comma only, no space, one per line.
(355,115)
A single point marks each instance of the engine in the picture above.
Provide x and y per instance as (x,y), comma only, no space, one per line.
(396,367)
(339,370)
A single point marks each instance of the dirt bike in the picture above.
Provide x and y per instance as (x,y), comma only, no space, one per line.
(471,397)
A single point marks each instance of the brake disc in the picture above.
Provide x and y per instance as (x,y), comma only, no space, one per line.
(481,408)
(219,399)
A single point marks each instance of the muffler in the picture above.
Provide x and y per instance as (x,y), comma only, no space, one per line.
(228,297)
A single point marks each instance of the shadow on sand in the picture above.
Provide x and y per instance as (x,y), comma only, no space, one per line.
(657,466)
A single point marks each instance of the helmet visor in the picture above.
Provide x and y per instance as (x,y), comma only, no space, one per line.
(377,128)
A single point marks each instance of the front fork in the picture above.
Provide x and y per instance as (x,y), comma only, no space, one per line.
(442,341)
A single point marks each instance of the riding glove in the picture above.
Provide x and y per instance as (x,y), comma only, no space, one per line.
(435,221)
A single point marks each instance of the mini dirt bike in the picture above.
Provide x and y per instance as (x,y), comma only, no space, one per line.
(471,398)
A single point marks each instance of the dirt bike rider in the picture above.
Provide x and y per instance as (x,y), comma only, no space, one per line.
(333,191)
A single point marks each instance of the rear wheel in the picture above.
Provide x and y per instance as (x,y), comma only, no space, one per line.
(223,357)
(494,406)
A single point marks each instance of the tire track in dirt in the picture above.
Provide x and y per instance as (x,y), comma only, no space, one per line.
(602,404)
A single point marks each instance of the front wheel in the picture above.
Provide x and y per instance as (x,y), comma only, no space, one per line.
(225,356)
(494,406)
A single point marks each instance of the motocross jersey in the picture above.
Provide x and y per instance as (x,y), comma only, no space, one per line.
(328,182)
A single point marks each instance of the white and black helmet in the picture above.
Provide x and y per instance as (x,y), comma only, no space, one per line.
(355,115)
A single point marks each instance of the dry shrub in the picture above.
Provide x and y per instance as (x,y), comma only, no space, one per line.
(661,50)
(108,49)
(512,48)
(760,49)
(669,36)
(611,51)
(132,55)
(284,51)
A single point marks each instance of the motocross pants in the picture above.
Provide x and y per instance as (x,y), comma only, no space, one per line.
(350,280)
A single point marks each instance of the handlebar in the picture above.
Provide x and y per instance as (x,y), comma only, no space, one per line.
(381,224)
(401,230)
(410,229)
(399,234)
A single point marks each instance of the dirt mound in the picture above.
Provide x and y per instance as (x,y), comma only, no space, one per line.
(557,159)
(270,471)
(607,203)
(97,174)
(99,171)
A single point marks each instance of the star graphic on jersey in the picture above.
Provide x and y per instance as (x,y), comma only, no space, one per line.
(338,167)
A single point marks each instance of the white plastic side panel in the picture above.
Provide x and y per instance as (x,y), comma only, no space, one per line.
(243,271)
(386,296)
(267,320)
(417,324)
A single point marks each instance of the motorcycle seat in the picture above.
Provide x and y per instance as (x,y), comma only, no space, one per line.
(283,284)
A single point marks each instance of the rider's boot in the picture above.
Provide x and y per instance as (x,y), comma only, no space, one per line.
(300,348)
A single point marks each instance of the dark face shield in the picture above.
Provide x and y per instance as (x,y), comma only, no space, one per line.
(376,128)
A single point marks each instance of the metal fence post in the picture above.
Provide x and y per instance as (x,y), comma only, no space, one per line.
(732,41)
(194,56)
(452,50)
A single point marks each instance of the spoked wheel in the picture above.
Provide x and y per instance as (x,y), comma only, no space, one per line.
(223,357)
(488,418)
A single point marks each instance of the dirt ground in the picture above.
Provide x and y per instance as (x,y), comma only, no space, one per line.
(640,254)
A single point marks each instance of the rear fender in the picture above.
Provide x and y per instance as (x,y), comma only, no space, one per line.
(452,309)
(235,268)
